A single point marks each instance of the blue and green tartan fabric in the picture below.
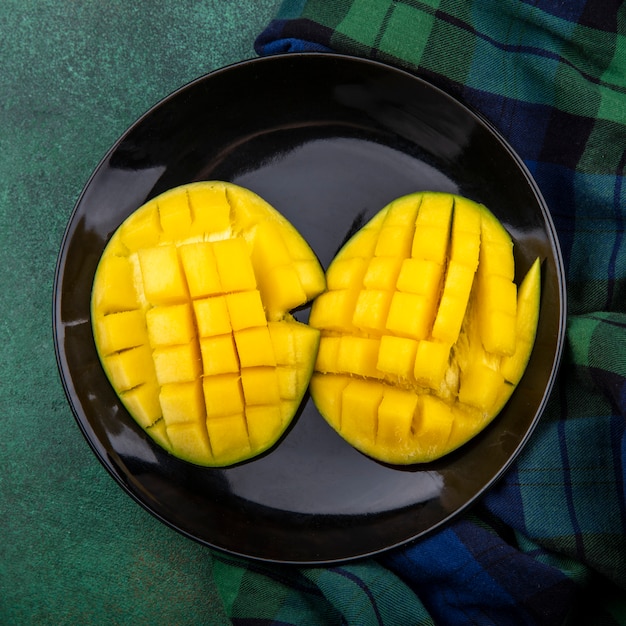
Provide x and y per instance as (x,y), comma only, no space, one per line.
(548,544)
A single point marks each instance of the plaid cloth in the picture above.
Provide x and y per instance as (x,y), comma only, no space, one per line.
(547,545)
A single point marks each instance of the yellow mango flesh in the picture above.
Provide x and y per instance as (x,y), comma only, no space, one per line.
(190,313)
(424,333)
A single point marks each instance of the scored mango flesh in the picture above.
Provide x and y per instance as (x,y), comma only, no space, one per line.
(424,333)
(190,312)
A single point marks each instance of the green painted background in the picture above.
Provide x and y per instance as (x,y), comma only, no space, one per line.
(74,549)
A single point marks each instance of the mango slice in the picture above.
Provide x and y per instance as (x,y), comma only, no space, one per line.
(191,317)
(424,333)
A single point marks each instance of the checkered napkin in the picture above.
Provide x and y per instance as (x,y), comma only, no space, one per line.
(548,544)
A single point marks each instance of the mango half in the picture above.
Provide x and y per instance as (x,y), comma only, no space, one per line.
(190,310)
(424,333)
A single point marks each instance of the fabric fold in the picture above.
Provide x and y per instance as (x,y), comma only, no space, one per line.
(547,543)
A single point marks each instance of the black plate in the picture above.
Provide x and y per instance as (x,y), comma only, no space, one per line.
(328,140)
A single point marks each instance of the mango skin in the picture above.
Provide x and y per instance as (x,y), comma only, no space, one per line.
(424,333)
(190,314)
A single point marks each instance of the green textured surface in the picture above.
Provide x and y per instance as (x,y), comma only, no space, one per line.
(75,74)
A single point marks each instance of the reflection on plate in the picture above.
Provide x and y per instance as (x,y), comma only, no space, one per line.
(328,140)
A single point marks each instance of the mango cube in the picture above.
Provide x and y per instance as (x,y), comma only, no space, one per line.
(402,211)
(365,247)
(345,273)
(311,281)
(431,244)
(287,382)
(394,241)
(264,422)
(210,210)
(497,311)
(358,355)
(432,228)
(182,402)
(245,309)
(200,267)
(285,342)
(293,344)
(465,238)
(212,316)
(496,258)
(174,214)
(435,209)
(234,265)
(328,392)
(170,325)
(177,364)
(143,402)
(498,293)
(359,408)
(130,368)
(229,436)
(382,272)
(190,441)
(454,299)
(431,363)
(498,333)
(141,229)
(333,310)
(281,289)
(492,230)
(459,279)
(396,412)
(466,217)
(219,355)
(420,276)
(449,318)
(410,314)
(480,386)
(371,309)
(269,249)
(162,274)
(260,385)
(434,424)
(254,347)
(222,395)
(120,331)
(158,433)
(118,293)
(327,355)
(396,356)
(464,248)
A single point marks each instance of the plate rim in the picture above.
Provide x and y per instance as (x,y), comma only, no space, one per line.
(99,449)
